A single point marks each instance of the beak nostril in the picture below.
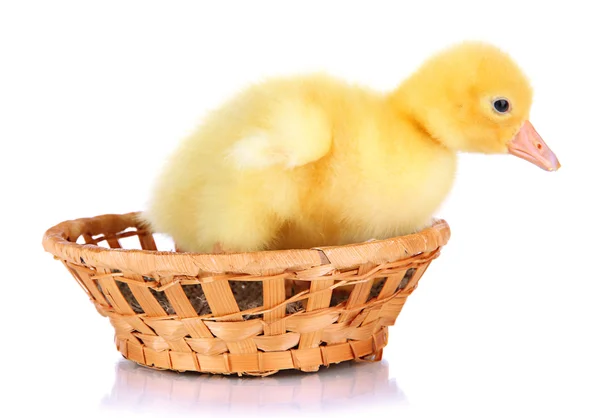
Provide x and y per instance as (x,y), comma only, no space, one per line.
(539,146)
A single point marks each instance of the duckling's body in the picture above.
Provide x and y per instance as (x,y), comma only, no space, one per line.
(311,161)
(378,175)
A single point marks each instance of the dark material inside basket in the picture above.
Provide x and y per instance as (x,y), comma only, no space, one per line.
(248,295)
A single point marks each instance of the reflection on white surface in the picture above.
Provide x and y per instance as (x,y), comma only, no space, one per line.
(343,387)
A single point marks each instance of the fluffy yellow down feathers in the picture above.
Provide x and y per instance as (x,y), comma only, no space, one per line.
(309,161)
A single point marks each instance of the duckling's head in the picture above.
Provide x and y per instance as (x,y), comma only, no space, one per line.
(473,97)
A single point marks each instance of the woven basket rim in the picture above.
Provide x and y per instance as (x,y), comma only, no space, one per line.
(57,241)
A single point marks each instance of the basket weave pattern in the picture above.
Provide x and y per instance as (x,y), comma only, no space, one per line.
(228,340)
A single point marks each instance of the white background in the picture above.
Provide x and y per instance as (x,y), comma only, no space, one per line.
(93,96)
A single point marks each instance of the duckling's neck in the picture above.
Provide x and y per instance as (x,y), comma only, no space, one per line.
(408,105)
(422,101)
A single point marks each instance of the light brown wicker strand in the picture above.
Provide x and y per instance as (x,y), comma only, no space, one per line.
(112,293)
(222,302)
(142,294)
(113,242)
(414,281)
(197,328)
(274,295)
(85,277)
(391,284)
(374,314)
(183,309)
(173,332)
(120,304)
(316,301)
(146,240)
(391,310)
(359,293)
(81,282)
(177,298)
(88,239)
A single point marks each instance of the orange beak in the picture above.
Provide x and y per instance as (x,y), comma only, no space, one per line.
(528,145)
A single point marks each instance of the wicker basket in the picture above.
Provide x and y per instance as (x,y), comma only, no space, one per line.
(257,341)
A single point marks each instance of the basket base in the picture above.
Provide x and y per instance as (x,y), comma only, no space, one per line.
(161,369)
(375,357)
(258,363)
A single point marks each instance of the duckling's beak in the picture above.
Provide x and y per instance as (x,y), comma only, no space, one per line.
(528,144)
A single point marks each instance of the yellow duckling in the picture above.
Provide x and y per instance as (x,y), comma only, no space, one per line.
(310,161)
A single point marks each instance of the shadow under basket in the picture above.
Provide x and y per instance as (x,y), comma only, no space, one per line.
(245,313)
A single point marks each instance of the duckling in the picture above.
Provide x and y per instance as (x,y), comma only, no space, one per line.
(308,161)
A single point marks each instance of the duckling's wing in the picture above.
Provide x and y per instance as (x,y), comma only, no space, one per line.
(298,133)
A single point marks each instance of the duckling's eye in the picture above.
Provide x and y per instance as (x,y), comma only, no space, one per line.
(501,105)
